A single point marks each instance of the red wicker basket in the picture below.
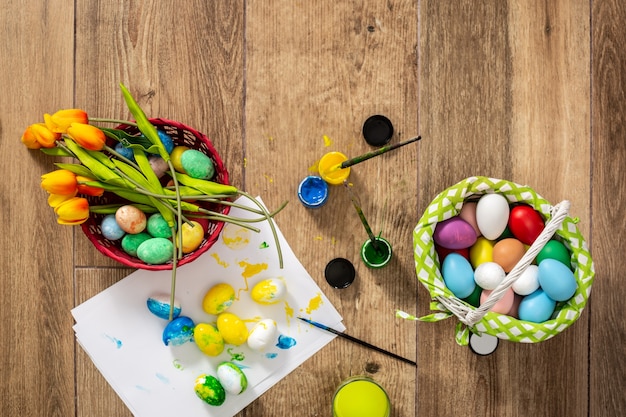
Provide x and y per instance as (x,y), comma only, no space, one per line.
(181,135)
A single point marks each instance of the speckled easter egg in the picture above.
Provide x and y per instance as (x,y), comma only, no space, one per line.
(157,226)
(155,251)
(232,378)
(130,243)
(218,298)
(110,229)
(166,140)
(269,291)
(178,331)
(262,335)
(159,305)
(208,339)
(124,151)
(158,165)
(209,390)
(193,235)
(232,329)
(175,157)
(131,219)
(197,165)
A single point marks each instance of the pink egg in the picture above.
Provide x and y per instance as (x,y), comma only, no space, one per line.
(503,306)
(514,312)
(454,233)
(468,213)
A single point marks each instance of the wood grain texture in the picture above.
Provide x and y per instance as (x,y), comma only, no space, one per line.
(530,92)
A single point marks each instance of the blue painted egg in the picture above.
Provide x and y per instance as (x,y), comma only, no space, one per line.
(454,233)
(557,280)
(458,275)
(166,140)
(159,305)
(124,151)
(536,307)
(110,229)
(178,331)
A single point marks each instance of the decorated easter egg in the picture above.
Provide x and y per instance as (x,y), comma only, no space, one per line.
(166,140)
(130,219)
(110,229)
(178,331)
(159,305)
(155,251)
(262,335)
(208,339)
(458,275)
(175,157)
(269,291)
(193,235)
(443,252)
(507,253)
(159,165)
(130,243)
(481,251)
(525,223)
(454,233)
(218,298)
(157,226)
(557,280)
(232,378)
(536,307)
(504,304)
(492,215)
(488,275)
(210,390)
(553,249)
(528,281)
(474,298)
(468,213)
(124,151)
(232,329)
(197,165)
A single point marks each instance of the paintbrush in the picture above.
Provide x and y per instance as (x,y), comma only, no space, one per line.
(357,341)
(357,207)
(369,155)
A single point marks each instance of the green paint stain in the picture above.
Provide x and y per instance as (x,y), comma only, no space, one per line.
(177,365)
(264,245)
(235,356)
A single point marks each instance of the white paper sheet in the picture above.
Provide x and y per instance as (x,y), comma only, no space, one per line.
(124,339)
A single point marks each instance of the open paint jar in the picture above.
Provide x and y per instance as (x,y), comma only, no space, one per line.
(376,255)
(313,192)
(329,171)
(361,396)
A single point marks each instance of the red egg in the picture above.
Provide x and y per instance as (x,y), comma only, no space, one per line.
(525,223)
(443,252)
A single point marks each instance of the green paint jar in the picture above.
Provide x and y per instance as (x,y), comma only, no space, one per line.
(378,255)
(360,396)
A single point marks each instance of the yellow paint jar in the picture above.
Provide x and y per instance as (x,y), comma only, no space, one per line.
(361,396)
(327,168)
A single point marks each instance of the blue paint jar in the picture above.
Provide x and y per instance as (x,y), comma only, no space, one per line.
(313,192)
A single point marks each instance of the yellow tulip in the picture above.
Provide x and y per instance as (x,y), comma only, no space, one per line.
(61,181)
(73,211)
(87,136)
(61,120)
(38,136)
(88,189)
(55,200)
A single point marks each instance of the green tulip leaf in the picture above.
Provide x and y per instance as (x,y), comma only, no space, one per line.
(131,141)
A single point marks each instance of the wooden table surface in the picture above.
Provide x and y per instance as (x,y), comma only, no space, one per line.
(533,93)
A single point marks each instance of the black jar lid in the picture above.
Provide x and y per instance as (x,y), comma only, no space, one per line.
(377,130)
(339,273)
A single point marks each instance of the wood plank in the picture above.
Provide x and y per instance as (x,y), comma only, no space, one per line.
(505,94)
(36,351)
(321,68)
(608,330)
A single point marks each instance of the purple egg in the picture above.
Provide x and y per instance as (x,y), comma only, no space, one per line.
(454,233)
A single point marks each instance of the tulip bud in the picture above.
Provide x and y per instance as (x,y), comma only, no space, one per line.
(73,211)
(88,189)
(87,136)
(39,136)
(61,120)
(61,182)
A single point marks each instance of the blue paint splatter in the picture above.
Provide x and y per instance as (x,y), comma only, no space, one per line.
(285,342)
(162,378)
(271,355)
(118,343)
(140,388)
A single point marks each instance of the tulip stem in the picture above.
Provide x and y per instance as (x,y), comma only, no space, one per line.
(116,121)
(121,157)
(173,284)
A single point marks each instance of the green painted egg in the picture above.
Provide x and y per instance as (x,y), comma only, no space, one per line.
(197,164)
(155,251)
(209,390)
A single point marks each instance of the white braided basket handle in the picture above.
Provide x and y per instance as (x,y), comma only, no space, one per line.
(559,213)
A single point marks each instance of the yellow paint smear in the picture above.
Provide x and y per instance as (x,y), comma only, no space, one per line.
(314,303)
(254,319)
(314,167)
(249,270)
(318,238)
(219,261)
(327,141)
(288,312)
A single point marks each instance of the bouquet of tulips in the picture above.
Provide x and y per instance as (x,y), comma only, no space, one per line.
(128,172)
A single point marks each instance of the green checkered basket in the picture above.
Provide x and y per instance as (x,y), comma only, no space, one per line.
(479,320)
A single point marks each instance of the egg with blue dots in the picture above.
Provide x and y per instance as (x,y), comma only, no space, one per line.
(159,305)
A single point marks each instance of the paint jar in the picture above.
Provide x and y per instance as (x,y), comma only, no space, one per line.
(361,396)
(313,192)
(378,255)
(377,130)
(327,168)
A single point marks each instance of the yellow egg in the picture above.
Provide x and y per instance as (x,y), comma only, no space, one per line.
(192,236)
(269,291)
(208,339)
(232,329)
(175,157)
(218,298)
(481,251)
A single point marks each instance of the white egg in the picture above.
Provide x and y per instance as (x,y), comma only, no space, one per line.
(262,334)
(492,215)
(488,275)
(528,281)
(232,378)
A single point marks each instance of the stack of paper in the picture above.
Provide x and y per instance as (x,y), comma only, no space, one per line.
(124,339)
